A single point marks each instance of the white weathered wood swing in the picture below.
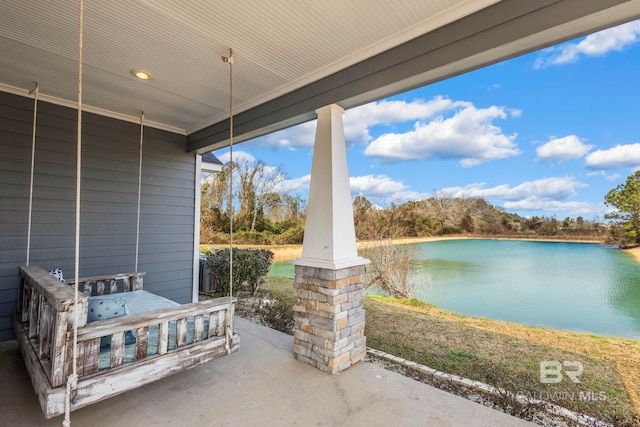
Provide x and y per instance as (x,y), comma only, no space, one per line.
(74,362)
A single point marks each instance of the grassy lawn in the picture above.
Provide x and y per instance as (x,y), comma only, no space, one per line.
(279,288)
(504,355)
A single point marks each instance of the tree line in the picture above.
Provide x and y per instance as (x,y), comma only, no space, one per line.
(440,215)
(260,213)
(263,213)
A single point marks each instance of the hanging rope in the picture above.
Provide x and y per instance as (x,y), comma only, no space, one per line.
(35,91)
(139,190)
(72,380)
(229,329)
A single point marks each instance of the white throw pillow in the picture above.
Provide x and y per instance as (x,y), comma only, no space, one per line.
(106,307)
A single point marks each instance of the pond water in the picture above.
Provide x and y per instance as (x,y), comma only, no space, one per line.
(572,286)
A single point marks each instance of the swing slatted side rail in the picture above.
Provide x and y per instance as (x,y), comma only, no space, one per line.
(44,327)
(45,315)
(116,283)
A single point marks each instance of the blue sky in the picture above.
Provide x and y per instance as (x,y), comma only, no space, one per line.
(548,133)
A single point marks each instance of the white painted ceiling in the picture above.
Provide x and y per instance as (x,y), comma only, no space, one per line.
(278,46)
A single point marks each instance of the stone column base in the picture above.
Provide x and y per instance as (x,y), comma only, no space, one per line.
(329,317)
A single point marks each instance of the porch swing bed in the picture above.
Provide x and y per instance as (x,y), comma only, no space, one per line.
(94,338)
(149,337)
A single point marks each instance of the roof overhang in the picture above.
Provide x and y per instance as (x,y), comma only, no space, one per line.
(502,31)
(290,58)
(210,163)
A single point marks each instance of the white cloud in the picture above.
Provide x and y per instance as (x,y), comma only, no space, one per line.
(469,135)
(380,184)
(238,156)
(597,44)
(358,121)
(376,188)
(559,150)
(533,204)
(618,157)
(295,185)
(547,194)
(381,187)
(514,113)
(605,175)
(554,188)
(293,138)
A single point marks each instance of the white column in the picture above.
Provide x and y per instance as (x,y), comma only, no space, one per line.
(329,237)
(329,287)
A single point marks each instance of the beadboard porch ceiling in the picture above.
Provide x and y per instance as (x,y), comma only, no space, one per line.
(290,57)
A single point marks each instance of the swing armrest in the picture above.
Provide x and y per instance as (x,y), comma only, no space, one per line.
(38,282)
(45,316)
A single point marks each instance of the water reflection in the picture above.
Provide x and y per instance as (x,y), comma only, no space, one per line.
(573,286)
(624,292)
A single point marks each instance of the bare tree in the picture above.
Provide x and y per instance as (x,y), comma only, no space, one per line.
(390,262)
(215,190)
(265,180)
(362,217)
(245,170)
(442,210)
(257,181)
(390,266)
(293,206)
(215,209)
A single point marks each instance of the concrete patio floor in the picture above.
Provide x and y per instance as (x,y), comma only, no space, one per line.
(261,385)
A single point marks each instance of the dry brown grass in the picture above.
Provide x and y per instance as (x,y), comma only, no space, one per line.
(611,363)
(280,252)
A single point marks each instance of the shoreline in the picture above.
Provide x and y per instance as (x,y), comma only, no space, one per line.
(289,252)
(635,252)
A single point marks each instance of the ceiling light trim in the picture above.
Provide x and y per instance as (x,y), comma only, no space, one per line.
(142,74)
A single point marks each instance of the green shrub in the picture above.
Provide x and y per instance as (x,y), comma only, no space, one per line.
(293,236)
(249,268)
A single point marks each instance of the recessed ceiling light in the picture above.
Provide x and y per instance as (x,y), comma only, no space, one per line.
(142,74)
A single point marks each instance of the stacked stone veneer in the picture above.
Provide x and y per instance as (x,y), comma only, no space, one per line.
(329,317)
